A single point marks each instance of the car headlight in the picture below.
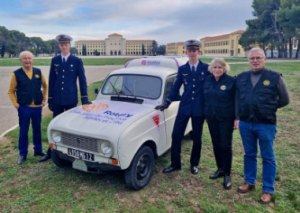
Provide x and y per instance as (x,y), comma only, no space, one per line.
(105,147)
(56,136)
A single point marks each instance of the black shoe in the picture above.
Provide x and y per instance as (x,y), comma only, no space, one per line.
(44,158)
(171,169)
(39,154)
(227,182)
(21,159)
(217,174)
(194,170)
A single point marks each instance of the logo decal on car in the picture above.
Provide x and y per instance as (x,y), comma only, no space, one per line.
(95,107)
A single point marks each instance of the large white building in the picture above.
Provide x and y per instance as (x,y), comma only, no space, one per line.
(115,44)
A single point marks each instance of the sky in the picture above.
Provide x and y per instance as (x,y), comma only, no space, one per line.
(165,21)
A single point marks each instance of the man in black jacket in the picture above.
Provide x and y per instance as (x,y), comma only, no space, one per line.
(260,92)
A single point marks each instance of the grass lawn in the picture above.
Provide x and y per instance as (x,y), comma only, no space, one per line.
(43,187)
(94,61)
(86,61)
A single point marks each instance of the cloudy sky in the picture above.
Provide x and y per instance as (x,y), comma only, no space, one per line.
(162,20)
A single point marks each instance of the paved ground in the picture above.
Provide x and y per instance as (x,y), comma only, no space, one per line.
(8,113)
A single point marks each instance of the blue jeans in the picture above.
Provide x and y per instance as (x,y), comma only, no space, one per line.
(25,115)
(264,134)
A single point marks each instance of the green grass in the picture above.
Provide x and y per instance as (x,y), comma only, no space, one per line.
(43,187)
(86,61)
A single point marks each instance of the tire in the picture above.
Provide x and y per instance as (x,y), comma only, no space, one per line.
(140,171)
(60,162)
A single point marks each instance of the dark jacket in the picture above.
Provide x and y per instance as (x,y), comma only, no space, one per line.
(29,90)
(258,104)
(219,97)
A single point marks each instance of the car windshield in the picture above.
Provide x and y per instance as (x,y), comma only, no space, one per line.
(144,86)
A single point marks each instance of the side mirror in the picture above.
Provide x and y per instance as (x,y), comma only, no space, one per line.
(96,91)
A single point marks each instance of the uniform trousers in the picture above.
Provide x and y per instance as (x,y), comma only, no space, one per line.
(58,109)
(26,114)
(221,136)
(177,135)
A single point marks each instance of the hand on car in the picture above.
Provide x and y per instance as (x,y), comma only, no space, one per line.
(161,107)
(86,102)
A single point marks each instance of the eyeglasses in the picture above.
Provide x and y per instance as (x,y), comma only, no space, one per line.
(255,58)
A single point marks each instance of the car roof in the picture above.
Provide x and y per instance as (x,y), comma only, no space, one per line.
(162,72)
(157,66)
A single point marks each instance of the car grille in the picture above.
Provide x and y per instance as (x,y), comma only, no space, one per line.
(89,144)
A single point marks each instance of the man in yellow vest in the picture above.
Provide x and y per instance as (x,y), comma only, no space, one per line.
(28,98)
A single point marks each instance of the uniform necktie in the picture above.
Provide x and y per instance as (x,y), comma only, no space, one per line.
(193,69)
(64,61)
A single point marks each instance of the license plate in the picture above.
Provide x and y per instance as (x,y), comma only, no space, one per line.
(81,155)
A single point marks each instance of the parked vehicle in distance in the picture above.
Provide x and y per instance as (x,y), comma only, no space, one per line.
(121,130)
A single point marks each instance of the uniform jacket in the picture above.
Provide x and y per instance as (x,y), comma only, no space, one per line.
(219,97)
(191,103)
(62,81)
(258,104)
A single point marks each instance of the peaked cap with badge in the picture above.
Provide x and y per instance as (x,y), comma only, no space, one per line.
(192,44)
(63,38)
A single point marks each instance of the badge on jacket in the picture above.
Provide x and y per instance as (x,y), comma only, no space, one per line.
(37,76)
(266,82)
(223,87)
(56,65)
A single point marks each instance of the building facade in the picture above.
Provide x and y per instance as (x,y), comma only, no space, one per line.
(115,44)
(175,48)
(223,45)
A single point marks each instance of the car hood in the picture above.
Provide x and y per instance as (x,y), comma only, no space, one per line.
(103,119)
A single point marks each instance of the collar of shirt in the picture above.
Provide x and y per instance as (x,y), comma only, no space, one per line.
(65,56)
(195,65)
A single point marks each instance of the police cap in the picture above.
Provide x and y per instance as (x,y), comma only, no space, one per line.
(192,44)
(63,38)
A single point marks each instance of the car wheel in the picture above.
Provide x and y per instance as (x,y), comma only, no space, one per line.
(140,171)
(58,161)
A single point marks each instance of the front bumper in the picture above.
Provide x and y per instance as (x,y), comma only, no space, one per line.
(92,167)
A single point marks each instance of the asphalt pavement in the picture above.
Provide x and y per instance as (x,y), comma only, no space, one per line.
(8,113)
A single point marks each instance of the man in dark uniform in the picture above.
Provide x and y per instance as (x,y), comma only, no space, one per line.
(192,76)
(260,92)
(64,71)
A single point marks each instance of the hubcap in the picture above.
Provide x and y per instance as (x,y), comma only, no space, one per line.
(143,167)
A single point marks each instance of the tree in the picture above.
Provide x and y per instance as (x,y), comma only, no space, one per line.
(265,29)
(96,52)
(54,46)
(143,50)
(73,50)
(36,45)
(161,50)
(154,47)
(4,39)
(289,19)
(83,50)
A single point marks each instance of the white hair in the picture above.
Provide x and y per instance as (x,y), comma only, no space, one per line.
(255,49)
(23,52)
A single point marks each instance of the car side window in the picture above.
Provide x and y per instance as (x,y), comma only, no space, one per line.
(169,84)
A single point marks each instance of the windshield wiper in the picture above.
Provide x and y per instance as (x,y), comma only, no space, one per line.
(129,91)
(114,88)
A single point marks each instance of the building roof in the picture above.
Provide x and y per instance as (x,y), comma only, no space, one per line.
(137,40)
(224,36)
(90,41)
(114,34)
(173,44)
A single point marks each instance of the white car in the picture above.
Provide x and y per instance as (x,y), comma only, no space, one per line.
(121,130)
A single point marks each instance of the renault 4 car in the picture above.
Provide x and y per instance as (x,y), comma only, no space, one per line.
(121,130)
